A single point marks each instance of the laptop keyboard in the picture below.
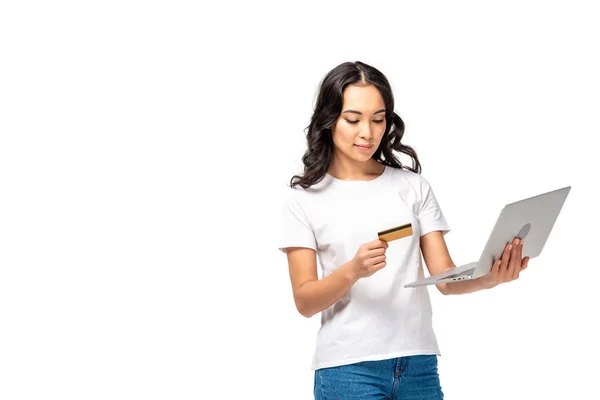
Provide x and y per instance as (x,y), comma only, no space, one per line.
(467,272)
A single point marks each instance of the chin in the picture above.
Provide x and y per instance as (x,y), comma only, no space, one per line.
(355,155)
(364,157)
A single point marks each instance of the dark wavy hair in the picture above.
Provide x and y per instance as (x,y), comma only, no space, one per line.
(328,108)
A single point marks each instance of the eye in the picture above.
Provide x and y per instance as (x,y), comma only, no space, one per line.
(379,121)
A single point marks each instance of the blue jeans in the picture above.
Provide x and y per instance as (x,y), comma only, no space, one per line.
(406,378)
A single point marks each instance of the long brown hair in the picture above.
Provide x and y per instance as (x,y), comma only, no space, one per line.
(318,155)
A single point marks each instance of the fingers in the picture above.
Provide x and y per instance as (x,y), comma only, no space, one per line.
(510,265)
(375,264)
(519,260)
(377,243)
(515,260)
(496,271)
(378,266)
(504,263)
(376,247)
(376,252)
(377,260)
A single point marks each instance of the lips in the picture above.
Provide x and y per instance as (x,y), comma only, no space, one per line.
(364,146)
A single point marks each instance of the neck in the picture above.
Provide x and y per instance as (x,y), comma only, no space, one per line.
(355,170)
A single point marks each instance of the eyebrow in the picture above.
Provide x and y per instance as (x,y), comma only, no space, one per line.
(358,112)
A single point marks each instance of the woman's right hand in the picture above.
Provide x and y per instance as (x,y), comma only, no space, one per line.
(369,258)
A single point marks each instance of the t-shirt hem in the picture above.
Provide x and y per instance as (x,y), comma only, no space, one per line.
(443,228)
(283,248)
(375,357)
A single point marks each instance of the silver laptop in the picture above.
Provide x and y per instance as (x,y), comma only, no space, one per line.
(530,219)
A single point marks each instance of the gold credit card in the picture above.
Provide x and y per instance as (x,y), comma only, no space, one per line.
(395,233)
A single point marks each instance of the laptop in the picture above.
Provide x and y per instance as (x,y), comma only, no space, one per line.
(530,219)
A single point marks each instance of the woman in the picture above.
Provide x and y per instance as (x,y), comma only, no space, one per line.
(376,339)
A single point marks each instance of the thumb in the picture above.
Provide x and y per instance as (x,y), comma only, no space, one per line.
(379,243)
(525,263)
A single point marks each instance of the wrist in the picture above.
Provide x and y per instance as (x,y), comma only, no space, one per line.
(485,282)
(349,271)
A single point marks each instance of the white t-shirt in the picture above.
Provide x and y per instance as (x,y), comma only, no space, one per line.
(378,318)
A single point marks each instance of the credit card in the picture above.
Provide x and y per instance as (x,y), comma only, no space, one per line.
(395,233)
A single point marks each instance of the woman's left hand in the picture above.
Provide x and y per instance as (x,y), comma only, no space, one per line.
(509,267)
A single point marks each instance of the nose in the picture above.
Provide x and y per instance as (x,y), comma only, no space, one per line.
(365,132)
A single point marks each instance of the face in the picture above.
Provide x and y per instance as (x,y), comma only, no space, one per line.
(360,127)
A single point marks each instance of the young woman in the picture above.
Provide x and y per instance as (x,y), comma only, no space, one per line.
(376,339)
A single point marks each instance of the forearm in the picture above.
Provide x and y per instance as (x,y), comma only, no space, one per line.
(316,296)
(462,287)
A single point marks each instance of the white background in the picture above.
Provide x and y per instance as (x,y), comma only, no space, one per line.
(145,148)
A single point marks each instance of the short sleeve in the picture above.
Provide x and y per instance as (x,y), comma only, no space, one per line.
(295,230)
(430,214)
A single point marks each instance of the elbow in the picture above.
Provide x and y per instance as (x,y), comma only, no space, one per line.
(444,288)
(303,310)
(305,313)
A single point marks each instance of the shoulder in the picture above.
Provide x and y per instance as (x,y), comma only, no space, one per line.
(296,193)
(412,187)
(307,195)
(298,198)
(404,177)
(292,195)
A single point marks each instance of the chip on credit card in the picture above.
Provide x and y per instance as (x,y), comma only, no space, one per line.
(395,233)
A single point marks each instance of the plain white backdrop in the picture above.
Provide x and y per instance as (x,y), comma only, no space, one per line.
(145,148)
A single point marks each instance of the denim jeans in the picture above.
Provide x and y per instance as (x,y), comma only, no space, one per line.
(406,378)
